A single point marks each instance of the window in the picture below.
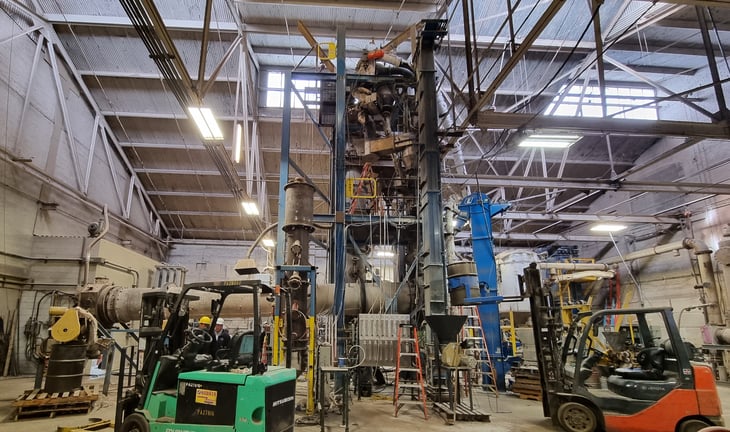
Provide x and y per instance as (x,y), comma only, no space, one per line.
(308,90)
(583,101)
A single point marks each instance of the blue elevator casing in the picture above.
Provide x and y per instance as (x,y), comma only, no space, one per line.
(480,212)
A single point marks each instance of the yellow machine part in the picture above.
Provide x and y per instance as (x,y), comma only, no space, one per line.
(57,310)
(67,328)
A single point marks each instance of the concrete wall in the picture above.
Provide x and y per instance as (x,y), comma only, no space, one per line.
(56,175)
(670,279)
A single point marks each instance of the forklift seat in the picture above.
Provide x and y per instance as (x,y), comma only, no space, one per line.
(641,389)
(651,360)
(167,374)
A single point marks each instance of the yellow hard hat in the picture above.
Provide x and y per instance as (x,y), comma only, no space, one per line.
(204,320)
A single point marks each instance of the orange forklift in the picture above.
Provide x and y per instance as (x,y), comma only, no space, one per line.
(618,369)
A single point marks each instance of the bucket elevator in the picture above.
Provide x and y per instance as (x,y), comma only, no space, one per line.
(475,283)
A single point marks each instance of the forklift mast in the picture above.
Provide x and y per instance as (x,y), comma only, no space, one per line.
(547,327)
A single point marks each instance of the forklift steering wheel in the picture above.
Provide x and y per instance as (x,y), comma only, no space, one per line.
(201,336)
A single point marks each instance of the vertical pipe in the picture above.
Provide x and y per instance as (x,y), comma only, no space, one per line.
(87,255)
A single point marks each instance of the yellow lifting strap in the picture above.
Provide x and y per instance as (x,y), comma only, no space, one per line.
(67,328)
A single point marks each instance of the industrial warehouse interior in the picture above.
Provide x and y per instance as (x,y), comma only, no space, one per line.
(269,215)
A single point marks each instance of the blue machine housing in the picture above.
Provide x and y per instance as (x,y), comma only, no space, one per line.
(479,211)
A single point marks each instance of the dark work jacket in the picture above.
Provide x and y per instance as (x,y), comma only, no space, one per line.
(222,341)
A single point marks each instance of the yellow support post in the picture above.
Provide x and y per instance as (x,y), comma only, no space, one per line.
(275,341)
(311,366)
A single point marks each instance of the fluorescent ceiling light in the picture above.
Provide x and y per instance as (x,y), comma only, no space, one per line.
(268,242)
(608,227)
(384,254)
(206,123)
(237,142)
(250,208)
(549,141)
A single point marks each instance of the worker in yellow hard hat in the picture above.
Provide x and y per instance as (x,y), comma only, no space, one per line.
(204,322)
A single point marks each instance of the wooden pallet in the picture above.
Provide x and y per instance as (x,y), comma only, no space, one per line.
(463,413)
(527,383)
(39,403)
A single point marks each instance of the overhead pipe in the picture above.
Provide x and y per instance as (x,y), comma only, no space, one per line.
(715,312)
(575,266)
(583,275)
(687,243)
(87,255)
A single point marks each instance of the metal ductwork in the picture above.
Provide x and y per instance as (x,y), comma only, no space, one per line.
(117,304)
(716,310)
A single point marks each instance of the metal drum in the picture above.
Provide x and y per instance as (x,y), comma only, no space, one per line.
(462,276)
(65,367)
(299,206)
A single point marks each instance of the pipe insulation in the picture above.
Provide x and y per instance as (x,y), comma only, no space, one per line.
(713,296)
(117,304)
(658,250)
(723,335)
(575,266)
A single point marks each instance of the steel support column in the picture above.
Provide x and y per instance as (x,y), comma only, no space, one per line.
(338,194)
(429,172)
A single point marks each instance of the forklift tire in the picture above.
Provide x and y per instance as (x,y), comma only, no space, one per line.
(576,417)
(692,425)
(135,423)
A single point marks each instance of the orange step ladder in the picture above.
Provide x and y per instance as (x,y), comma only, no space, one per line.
(408,362)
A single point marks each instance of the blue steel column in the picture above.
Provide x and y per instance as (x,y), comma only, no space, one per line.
(429,179)
(338,180)
(283,179)
(480,213)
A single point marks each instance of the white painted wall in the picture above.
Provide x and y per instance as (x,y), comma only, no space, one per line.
(45,204)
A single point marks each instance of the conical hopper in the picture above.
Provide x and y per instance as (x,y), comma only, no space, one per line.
(446,327)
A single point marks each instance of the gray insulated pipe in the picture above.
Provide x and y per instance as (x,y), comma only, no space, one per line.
(116,304)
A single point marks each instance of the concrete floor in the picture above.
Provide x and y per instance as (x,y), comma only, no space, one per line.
(508,413)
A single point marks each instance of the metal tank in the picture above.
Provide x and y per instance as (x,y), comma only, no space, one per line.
(462,282)
(65,367)
(510,265)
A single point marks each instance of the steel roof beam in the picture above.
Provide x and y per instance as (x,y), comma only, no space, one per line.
(540,237)
(614,126)
(410,6)
(582,217)
(583,184)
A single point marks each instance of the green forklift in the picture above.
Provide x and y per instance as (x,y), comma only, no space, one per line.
(184,386)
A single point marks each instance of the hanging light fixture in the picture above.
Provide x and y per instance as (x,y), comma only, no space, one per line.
(549,141)
(206,122)
(250,208)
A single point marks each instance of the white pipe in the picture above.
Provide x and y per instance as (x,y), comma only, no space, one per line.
(715,312)
(670,247)
(583,275)
(87,255)
(574,266)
